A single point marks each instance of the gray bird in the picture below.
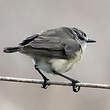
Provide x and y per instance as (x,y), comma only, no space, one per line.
(54,51)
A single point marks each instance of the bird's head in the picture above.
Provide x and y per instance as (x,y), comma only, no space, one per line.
(81,37)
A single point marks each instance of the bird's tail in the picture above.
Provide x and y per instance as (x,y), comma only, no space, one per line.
(11,49)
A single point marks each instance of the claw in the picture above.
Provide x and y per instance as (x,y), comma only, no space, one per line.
(44,85)
(75,88)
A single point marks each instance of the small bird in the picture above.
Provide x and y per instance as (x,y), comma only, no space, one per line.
(54,51)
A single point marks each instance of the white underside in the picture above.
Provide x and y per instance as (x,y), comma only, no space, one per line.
(59,65)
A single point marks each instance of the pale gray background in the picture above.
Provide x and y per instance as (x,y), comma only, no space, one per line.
(22,18)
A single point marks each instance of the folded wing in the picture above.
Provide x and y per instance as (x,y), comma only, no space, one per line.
(53,47)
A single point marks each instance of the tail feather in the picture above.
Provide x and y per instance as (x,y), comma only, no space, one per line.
(10,49)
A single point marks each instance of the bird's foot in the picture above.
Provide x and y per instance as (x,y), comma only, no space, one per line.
(75,88)
(45,85)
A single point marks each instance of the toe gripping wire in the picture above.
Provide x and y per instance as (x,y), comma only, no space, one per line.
(75,88)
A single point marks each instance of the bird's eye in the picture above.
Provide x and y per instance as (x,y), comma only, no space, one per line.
(81,38)
(84,34)
(79,35)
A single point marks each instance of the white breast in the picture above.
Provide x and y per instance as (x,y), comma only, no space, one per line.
(83,46)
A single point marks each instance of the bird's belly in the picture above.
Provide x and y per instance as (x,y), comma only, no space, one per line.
(64,65)
(59,65)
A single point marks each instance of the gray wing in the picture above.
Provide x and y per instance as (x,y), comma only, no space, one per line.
(54,47)
(48,43)
(71,47)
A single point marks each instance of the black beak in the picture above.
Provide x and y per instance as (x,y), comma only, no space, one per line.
(90,41)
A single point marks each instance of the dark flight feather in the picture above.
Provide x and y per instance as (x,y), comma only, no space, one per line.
(28,40)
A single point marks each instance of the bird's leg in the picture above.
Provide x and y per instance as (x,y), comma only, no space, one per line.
(44,85)
(75,88)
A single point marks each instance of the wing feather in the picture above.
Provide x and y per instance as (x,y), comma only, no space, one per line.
(53,45)
(28,40)
(49,43)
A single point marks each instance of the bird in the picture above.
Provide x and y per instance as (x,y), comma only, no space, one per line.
(54,51)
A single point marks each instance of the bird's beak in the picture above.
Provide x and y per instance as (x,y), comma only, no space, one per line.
(90,41)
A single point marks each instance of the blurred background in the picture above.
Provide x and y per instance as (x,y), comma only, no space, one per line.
(22,18)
